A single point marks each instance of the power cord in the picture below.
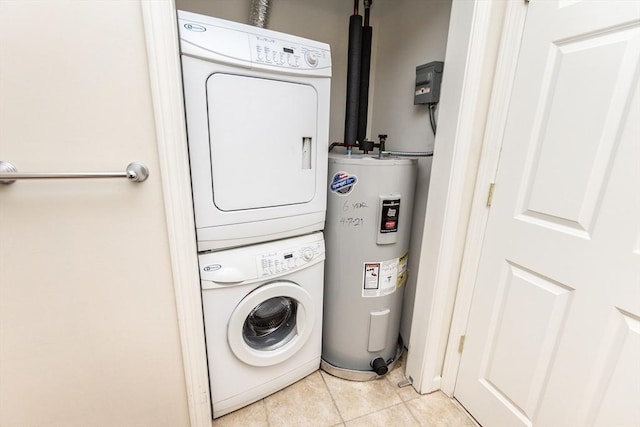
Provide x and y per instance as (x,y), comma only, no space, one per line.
(432,118)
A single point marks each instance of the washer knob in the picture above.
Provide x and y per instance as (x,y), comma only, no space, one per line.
(311,58)
(307,254)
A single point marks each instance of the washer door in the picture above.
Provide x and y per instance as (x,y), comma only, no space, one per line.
(271,323)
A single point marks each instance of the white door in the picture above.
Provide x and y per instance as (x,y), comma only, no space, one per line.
(553,337)
(88,322)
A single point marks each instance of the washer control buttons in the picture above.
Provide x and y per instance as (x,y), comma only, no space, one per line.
(281,262)
(307,254)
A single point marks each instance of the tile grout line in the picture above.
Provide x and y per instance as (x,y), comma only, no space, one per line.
(266,411)
(326,386)
(464,410)
(397,390)
(394,386)
(411,413)
(385,409)
(391,383)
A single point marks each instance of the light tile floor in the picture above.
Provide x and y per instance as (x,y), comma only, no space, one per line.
(321,399)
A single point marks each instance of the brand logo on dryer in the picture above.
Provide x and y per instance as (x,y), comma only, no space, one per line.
(212,267)
(195,27)
(342,183)
(265,39)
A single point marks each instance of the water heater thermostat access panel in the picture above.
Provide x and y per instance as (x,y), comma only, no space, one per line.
(388,217)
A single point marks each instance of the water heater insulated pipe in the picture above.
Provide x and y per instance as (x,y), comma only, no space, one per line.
(354,57)
(365,69)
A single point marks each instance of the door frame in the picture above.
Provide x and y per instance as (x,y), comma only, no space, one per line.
(161,35)
(460,177)
(509,53)
(438,274)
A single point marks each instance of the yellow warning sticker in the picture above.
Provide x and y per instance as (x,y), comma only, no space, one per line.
(402,270)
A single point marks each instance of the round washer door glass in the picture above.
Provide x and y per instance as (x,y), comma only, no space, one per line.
(271,323)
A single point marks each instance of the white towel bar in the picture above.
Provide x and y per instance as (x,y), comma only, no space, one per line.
(135,172)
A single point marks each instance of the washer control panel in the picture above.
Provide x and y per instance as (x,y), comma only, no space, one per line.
(260,262)
(287,54)
(282,261)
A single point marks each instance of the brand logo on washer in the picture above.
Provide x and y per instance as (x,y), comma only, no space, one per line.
(342,183)
(212,267)
(195,27)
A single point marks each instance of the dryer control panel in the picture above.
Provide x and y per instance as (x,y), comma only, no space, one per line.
(281,53)
(234,43)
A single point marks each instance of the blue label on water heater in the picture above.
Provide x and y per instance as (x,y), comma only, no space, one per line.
(342,183)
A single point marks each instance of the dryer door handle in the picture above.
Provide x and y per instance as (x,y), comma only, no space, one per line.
(225,276)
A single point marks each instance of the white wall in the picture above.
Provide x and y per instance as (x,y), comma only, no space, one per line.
(88,324)
(406,33)
(470,60)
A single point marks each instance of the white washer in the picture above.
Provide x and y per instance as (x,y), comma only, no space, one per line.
(257,106)
(263,317)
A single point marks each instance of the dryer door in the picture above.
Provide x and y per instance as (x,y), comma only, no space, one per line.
(263,138)
(271,323)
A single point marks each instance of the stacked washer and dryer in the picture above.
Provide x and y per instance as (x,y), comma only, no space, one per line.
(257,106)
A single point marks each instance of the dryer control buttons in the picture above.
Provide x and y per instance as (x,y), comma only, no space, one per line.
(278,53)
(311,57)
(307,254)
(273,56)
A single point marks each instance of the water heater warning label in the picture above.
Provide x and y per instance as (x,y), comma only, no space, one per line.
(383,278)
(372,276)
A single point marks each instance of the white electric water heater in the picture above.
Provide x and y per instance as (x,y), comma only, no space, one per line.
(367,232)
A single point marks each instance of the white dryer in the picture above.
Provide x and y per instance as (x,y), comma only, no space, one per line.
(257,106)
(263,317)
